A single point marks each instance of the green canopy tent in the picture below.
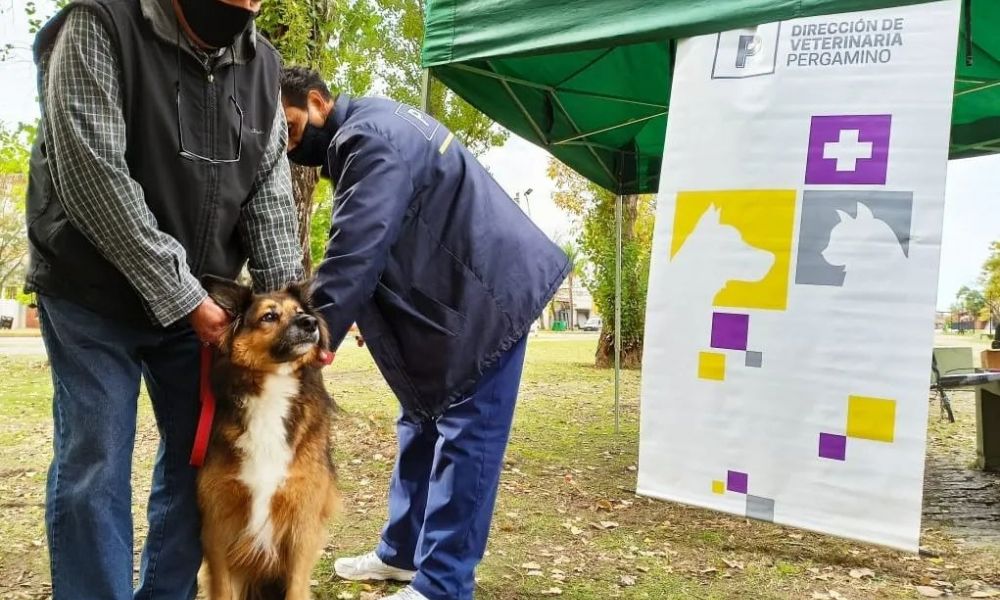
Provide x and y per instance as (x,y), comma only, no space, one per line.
(589,80)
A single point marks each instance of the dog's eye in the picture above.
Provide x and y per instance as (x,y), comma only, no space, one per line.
(269,317)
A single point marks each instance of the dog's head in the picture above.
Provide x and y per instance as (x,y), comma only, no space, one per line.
(269,330)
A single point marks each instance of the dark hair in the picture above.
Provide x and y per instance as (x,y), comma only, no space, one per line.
(297,82)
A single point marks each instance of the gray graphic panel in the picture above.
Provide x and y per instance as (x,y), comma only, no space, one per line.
(819,217)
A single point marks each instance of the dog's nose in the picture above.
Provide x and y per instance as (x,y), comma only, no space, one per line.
(307,323)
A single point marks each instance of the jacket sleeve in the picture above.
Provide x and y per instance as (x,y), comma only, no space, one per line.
(269,221)
(373,193)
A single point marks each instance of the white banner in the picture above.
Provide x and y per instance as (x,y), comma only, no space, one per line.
(791,300)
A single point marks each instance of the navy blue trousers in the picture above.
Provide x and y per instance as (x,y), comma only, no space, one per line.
(444,484)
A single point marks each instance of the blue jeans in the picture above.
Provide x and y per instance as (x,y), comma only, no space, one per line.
(444,484)
(97,364)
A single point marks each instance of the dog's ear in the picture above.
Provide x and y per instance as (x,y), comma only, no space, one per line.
(302,292)
(229,295)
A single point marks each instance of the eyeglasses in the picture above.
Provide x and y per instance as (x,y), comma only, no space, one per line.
(183,152)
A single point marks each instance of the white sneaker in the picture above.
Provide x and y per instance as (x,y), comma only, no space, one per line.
(407,593)
(369,567)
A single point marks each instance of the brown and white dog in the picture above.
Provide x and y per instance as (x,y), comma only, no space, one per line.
(267,488)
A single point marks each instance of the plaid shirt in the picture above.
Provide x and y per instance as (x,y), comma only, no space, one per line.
(85,133)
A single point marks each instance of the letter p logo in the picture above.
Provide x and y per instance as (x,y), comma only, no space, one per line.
(747,52)
(749,45)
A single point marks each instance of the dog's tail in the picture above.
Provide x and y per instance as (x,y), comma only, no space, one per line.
(273,589)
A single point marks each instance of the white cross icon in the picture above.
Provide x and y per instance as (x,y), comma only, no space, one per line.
(847,150)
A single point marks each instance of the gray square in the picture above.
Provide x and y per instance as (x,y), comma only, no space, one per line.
(761,509)
(754,359)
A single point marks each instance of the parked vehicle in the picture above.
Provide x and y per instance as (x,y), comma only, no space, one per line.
(592,324)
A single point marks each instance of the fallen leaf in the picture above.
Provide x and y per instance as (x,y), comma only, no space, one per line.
(604,505)
(820,596)
(732,564)
(985,594)
(531,566)
(836,595)
(553,591)
(862,573)
(929,592)
(535,573)
(345,596)
(608,524)
(627,580)
(575,530)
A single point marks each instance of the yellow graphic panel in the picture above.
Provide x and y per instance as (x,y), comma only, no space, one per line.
(743,226)
(718,487)
(871,418)
(712,365)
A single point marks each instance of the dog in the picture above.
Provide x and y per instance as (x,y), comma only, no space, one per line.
(267,488)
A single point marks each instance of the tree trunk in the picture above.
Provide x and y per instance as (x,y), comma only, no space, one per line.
(631,341)
(304,181)
(572,308)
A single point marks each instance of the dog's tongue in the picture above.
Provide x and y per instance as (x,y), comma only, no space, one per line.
(325,357)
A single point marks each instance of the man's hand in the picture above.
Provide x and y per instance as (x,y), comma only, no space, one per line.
(208,321)
(360,340)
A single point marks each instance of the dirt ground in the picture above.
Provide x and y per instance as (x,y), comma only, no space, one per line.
(568,523)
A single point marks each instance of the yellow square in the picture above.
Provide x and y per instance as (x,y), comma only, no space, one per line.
(871,418)
(712,365)
(718,487)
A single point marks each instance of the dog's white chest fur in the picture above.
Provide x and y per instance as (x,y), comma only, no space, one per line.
(265,451)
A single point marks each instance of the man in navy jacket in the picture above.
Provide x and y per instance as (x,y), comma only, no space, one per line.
(444,275)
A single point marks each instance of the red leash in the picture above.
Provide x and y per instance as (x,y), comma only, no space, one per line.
(204,430)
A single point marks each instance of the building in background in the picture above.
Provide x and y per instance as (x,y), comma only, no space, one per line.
(574,316)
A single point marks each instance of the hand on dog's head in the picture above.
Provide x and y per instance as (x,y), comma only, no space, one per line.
(269,331)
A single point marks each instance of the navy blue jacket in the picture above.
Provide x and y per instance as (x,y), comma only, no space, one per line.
(440,269)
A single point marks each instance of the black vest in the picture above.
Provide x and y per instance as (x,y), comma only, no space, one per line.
(199,204)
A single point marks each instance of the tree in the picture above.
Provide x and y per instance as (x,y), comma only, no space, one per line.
(572,252)
(361,46)
(971,301)
(15,150)
(989,280)
(593,209)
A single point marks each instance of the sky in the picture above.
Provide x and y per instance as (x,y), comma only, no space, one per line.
(972,199)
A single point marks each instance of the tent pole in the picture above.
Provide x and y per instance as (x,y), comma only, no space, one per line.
(425,92)
(618,311)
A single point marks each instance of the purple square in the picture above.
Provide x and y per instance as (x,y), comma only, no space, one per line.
(737,482)
(851,149)
(729,331)
(832,446)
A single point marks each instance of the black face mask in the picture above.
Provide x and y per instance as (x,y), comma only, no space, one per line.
(216,23)
(312,148)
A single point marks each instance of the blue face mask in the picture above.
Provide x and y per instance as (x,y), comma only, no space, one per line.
(312,148)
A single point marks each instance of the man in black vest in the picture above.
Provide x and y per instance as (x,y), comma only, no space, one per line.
(160,159)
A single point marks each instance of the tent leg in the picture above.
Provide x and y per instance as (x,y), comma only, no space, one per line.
(618,311)
(425,92)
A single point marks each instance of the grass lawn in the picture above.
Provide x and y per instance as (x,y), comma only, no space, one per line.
(20,333)
(567,524)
